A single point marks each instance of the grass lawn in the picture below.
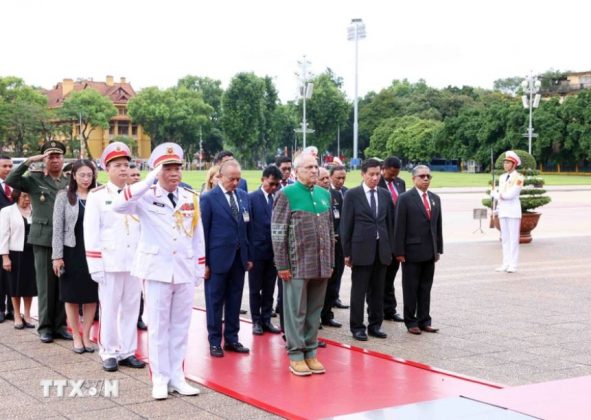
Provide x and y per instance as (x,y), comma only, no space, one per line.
(440,179)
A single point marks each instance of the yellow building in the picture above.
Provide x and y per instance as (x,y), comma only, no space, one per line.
(120,125)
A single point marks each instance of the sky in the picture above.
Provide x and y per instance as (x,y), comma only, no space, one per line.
(154,43)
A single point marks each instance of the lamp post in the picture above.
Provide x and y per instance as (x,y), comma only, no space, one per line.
(531,86)
(306,89)
(355,32)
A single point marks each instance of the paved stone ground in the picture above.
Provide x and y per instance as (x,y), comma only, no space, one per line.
(527,327)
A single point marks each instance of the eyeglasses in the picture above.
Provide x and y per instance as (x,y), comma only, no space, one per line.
(273,183)
(424,176)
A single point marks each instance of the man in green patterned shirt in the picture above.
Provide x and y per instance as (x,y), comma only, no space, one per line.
(303,244)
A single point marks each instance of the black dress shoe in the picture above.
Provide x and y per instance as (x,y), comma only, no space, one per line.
(243,312)
(19,326)
(9,316)
(141,325)
(110,365)
(28,325)
(274,314)
(332,323)
(132,362)
(216,351)
(2,317)
(394,317)
(63,334)
(429,329)
(257,329)
(340,305)
(269,327)
(78,350)
(46,337)
(321,344)
(377,333)
(236,347)
(360,335)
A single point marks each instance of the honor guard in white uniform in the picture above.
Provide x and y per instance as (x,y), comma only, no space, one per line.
(111,240)
(508,208)
(170,259)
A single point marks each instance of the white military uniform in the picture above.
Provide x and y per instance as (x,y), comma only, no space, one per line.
(171,259)
(509,212)
(111,240)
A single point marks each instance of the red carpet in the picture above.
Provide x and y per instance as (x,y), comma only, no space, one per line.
(564,399)
(356,379)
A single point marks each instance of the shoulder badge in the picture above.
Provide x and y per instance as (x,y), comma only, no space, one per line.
(190,190)
(98,188)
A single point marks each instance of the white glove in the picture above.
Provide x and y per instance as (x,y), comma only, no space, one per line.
(153,174)
(98,277)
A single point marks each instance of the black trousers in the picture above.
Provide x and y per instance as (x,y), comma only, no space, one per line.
(417,280)
(334,283)
(389,294)
(367,281)
(5,301)
(261,285)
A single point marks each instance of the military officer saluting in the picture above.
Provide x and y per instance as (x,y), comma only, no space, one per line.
(111,240)
(508,208)
(43,186)
(170,259)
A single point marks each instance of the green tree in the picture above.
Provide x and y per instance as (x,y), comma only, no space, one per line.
(89,108)
(327,110)
(249,104)
(151,108)
(23,115)
(509,85)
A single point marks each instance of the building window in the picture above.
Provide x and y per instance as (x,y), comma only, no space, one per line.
(112,128)
(123,128)
(122,111)
(134,130)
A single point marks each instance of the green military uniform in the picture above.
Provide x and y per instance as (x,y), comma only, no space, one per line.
(303,242)
(43,188)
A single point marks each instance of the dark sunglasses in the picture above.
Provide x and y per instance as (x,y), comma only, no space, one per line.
(273,183)
(425,176)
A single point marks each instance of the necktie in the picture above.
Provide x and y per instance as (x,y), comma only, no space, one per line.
(233,205)
(508,176)
(426,204)
(393,192)
(270,201)
(7,191)
(372,203)
(171,198)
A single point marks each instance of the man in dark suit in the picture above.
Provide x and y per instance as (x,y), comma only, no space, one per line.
(366,235)
(223,156)
(395,186)
(337,193)
(6,311)
(418,243)
(285,166)
(261,279)
(225,212)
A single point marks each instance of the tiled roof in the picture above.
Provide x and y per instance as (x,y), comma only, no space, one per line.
(118,93)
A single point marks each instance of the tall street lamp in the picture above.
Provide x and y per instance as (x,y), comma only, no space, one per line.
(306,89)
(531,86)
(355,32)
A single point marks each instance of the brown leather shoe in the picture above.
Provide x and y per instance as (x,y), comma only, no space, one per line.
(315,366)
(430,329)
(414,330)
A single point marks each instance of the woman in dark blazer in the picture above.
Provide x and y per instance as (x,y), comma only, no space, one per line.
(17,256)
(69,254)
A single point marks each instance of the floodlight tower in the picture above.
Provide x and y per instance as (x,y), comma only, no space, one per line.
(355,32)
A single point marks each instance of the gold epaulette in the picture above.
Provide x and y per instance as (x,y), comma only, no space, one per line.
(100,187)
(190,190)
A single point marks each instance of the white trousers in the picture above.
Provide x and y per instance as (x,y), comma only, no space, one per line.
(510,239)
(119,296)
(169,307)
